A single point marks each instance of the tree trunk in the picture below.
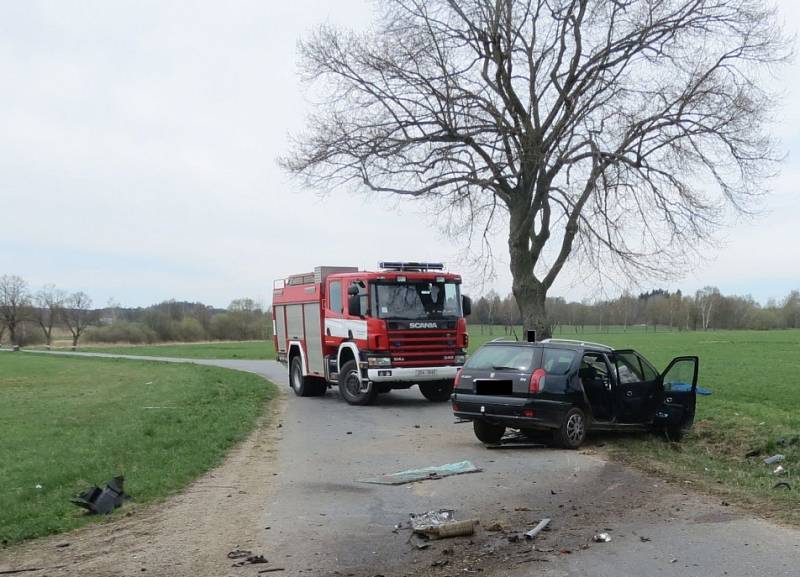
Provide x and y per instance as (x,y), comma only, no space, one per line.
(529,291)
(75,342)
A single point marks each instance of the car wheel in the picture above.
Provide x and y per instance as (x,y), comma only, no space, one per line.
(353,389)
(305,386)
(488,433)
(572,431)
(438,391)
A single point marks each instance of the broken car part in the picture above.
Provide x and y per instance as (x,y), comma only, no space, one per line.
(427,473)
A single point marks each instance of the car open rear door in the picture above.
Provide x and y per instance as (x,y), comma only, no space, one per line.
(679,393)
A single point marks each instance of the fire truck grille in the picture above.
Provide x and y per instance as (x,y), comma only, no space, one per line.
(422,348)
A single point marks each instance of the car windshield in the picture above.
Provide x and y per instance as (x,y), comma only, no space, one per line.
(417,300)
(502,357)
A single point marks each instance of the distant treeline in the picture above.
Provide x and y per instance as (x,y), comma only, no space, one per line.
(706,309)
(40,317)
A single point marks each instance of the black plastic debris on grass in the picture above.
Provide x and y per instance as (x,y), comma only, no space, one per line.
(102,501)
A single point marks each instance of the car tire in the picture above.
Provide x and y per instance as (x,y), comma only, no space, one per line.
(488,433)
(437,391)
(351,388)
(572,431)
(304,386)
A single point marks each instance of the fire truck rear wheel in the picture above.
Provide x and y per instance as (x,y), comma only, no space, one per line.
(304,386)
(437,391)
(353,389)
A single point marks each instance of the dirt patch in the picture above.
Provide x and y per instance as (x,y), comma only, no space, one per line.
(186,536)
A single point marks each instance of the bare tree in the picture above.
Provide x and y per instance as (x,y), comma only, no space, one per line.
(78,315)
(14,303)
(49,302)
(616,133)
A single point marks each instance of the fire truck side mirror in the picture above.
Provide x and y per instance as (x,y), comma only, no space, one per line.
(354,305)
(466,305)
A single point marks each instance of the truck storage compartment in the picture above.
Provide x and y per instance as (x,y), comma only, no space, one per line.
(495,387)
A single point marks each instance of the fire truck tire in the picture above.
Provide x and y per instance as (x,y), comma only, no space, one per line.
(350,386)
(304,386)
(437,391)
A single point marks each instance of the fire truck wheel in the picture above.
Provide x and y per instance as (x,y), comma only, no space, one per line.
(353,389)
(437,391)
(304,386)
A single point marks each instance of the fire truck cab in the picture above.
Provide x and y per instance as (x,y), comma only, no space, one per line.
(371,332)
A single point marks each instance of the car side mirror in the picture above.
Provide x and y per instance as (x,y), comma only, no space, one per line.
(466,305)
(354,305)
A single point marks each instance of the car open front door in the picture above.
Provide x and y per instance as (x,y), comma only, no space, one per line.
(679,393)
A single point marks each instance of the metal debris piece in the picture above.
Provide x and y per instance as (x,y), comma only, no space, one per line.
(102,501)
(601,538)
(412,475)
(774,459)
(536,530)
(440,524)
(782,485)
(644,539)
(239,553)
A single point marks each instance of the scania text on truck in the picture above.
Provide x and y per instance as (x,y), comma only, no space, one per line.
(371,332)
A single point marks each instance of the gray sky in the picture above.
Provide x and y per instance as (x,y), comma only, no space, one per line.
(137,161)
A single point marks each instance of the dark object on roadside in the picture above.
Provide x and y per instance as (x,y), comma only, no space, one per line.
(774,459)
(495,527)
(568,387)
(536,530)
(239,553)
(644,539)
(787,441)
(271,570)
(62,545)
(29,569)
(513,538)
(752,453)
(102,501)
(782,485)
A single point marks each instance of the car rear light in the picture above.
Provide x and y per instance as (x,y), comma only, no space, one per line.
(457,380)
(466,340)
(528,413)
(537,381)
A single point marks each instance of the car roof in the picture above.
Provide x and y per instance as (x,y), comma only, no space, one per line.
(555,344)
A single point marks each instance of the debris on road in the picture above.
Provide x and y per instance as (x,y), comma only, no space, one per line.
(644,539)
(271,570)
(782,485)
(239,553)
(779,470)
(602,538)
(246,557)
(427,473)
(29,570)
(440,524)
(102,501)
(536,530)
(774,459)
(494,527)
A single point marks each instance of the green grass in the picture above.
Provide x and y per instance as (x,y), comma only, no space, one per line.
(222,350)
(67,423)
(755,379)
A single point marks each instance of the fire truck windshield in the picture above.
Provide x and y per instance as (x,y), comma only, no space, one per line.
(417,300)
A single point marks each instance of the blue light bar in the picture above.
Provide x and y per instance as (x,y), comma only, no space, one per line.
(410,266)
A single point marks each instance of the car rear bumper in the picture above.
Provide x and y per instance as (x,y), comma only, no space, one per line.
(412,374)
(514,412)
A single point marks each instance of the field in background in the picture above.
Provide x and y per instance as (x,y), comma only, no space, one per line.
(67,423)
(214,350)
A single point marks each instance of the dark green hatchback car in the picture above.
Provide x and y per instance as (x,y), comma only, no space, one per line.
(570,387)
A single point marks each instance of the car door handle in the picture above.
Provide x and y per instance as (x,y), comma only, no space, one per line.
(628,393)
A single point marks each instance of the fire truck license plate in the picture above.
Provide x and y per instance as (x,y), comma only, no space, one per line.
(425,372)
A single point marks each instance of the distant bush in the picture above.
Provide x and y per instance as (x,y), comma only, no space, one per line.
(122,332)
(188,330)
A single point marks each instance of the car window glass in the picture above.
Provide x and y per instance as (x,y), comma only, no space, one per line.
(649,373)
(335,296)
(558,361)
(593,367)
(629,370)
(498,356)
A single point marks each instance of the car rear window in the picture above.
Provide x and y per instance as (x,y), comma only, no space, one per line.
(499,357)
(558,361)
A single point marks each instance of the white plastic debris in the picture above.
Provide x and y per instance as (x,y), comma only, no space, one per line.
(601,538)
(38,486)
(779,470)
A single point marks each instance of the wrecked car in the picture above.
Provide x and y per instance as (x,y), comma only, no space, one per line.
(569,387)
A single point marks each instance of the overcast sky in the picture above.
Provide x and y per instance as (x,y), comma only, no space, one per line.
(137,161)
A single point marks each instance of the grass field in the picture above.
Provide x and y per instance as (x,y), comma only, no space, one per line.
(66,423)
(221,350)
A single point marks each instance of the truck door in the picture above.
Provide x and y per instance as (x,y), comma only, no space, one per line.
(678,393)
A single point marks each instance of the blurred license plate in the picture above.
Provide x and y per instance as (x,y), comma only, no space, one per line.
(425,372)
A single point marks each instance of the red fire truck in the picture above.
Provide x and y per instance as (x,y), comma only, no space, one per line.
(371,332)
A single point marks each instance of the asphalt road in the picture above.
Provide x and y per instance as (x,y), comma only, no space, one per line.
(321,519)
